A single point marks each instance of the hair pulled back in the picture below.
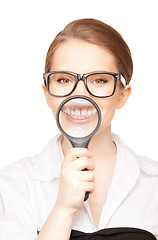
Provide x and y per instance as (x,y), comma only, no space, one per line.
(98,33)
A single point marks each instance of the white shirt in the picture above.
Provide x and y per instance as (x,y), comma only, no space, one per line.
(28,191)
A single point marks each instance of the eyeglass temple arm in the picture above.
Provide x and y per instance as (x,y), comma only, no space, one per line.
(122,79)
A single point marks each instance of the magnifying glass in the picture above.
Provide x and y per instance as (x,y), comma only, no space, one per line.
(78,118)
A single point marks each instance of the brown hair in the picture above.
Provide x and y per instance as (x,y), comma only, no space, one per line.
(98,33)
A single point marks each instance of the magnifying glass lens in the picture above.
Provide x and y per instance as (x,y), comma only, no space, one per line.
(78,117)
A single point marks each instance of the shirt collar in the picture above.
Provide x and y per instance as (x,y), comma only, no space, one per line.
(46,166)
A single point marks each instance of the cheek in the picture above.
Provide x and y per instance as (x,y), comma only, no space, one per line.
(54,103)
(108,108)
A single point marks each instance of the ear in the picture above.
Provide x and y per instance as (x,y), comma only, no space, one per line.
(124,95)
(47,96)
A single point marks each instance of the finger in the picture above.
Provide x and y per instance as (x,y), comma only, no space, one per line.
(77,153)
(87,187)
(83,162)
(85,176)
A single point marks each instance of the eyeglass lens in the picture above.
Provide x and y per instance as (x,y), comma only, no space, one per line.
(101,84)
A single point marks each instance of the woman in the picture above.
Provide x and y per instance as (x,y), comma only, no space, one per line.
(45,193)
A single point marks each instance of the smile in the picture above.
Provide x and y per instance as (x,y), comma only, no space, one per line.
(79,113)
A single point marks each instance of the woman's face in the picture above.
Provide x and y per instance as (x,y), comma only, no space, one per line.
(81,57)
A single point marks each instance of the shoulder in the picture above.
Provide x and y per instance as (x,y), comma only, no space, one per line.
(146,165)
(40,167)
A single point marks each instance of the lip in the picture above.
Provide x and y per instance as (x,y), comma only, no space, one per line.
(78,114)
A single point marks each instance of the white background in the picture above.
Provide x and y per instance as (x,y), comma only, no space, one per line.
(27,29)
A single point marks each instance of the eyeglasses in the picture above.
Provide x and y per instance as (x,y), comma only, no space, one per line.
(98,84)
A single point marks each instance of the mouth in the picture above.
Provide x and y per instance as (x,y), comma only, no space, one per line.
(77,113)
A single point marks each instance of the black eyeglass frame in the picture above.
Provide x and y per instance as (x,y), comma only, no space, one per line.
(83,77)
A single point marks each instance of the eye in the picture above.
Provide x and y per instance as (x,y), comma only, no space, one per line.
(64,81)
(99,81)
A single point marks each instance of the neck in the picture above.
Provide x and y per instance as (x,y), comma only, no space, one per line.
(101,145)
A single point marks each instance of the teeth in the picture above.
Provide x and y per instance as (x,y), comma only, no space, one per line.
(72,113)
(68,111)
(83,113)
(77,113)
(80,114)
(89,112)
(93,111)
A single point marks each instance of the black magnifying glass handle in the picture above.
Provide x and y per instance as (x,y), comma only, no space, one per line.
(87,193)
(78,118)
(86,196)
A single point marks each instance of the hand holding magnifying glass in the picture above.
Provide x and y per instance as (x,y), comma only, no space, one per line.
(78,118)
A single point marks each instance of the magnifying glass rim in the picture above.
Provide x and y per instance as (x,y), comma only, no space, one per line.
(69,99)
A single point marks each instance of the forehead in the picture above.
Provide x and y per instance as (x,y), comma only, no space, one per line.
(82,57)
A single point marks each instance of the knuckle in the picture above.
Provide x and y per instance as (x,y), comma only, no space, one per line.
(80,151)
(91,186)
(86,161)
(91,175)
(92,165)
(83,162)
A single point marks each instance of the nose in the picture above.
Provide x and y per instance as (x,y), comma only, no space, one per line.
(80,89)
